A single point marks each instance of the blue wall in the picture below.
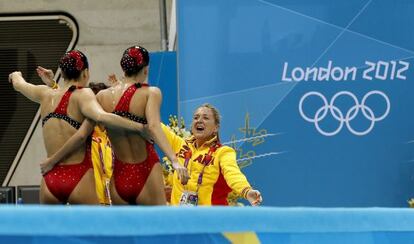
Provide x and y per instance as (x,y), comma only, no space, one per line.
(163,74)
(317,141)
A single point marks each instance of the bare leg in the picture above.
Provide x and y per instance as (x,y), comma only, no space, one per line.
(153,192)
(116,199)
(85,192)
(46,197)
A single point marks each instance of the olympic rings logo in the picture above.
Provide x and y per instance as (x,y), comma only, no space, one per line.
(338,115)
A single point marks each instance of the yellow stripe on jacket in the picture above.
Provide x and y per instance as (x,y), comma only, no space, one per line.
(102,163)
(220,176)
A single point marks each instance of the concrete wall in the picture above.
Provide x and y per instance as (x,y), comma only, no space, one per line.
(106,28)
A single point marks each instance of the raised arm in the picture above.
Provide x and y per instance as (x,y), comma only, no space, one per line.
(70,145)
(152,113)
(90,107)
(46,75)
(174,140)
(33,92)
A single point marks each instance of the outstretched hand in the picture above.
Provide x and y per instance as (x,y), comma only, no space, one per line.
(112,80)
(254,197)
(13,75)
(46,75)
(181,172)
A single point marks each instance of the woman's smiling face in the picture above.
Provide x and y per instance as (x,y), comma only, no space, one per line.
(204,125)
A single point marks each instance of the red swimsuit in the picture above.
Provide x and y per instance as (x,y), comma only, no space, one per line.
(62,179)
(130,178)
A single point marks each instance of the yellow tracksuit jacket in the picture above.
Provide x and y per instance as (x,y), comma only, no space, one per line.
(221,175)
(102,163)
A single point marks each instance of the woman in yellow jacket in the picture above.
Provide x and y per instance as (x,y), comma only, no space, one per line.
(212,167)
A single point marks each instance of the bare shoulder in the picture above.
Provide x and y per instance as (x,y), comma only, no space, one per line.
(86,92)
(45,87)
(155,91)
(102,93)
(103,97)
(45,90)
(84,95)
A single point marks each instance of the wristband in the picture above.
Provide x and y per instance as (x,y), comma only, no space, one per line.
(245,191)
(55,85)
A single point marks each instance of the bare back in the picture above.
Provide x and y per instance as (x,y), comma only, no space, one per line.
(57,131)
(127,146)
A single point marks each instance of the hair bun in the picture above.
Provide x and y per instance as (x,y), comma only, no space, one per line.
(134,59)
(72,64)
